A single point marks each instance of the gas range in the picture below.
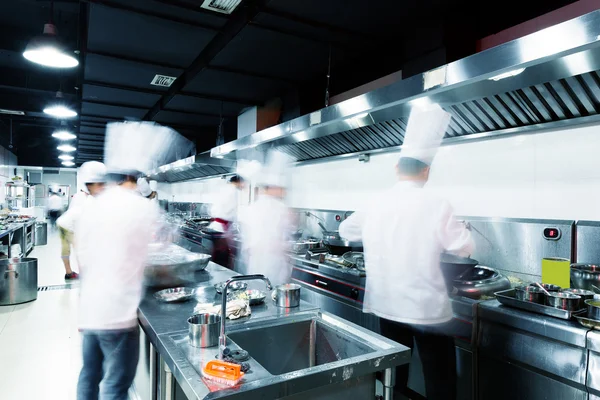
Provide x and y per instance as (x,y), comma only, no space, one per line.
(329,265)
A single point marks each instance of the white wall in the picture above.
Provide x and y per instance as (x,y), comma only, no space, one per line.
(550,174)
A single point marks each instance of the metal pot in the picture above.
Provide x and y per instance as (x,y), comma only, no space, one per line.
(583,276)
(18,281)
(203,330)
(593,309)
(564,301)
(287,296)
(584,294)
(549,287)
(530,293)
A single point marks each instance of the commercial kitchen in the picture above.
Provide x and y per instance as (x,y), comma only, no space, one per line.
(518,163)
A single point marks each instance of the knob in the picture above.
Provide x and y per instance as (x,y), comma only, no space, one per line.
(354,293)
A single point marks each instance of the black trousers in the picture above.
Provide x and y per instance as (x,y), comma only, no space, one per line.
(437,354)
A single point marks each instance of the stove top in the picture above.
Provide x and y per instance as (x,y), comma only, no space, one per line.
(331,266)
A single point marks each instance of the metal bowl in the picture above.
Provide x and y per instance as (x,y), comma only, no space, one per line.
(175,295)
(530,293)
(564,301)
(584,276)
(593,309)
(256,297)
(170,265)
(234,286)
(548,287)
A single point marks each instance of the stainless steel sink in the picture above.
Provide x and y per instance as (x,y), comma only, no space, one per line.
(298,345)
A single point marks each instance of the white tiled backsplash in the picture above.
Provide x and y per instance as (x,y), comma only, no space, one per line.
(550,174)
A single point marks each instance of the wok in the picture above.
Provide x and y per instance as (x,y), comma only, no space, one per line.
(453,266)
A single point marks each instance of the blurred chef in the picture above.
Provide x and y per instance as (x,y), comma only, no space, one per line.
(224,214)
(404,231)
(143,188)
(266,224)
(93,175)
(112,237)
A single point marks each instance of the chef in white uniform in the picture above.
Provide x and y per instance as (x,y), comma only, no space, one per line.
(266,224)
(112,237)
(404,231)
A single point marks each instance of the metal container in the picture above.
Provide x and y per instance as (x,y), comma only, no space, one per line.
(583,276)
(549,287)
(256,297)
(593,309)
(287,295)
(171,265)
(584,294)
(41,233)
(204,330)
(175,295)
(18,280)
(530,293)
(564,301)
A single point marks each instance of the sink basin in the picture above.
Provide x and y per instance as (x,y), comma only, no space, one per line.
(298,345)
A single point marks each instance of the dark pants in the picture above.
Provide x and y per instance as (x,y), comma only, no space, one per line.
(109,364)
(53,216)
(437,354)
(220,253)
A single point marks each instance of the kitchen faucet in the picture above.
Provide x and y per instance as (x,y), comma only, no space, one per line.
(222,337)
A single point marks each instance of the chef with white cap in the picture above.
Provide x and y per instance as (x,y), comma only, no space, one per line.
(92,175)
(265,224)
(112,237)
(404,231)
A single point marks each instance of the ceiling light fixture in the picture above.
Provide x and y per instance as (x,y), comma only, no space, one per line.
(66,157)
(47,49)
(508,74)
(11,112)
(68,163)
(60,111)
(64,135)
(66,148)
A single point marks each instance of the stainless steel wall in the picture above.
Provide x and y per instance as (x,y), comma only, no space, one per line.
(516,246)
(587,244)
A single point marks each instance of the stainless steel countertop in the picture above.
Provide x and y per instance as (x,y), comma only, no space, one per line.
(15,227)
(166,327)
(569,332)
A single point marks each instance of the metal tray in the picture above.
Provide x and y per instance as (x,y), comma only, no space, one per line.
(175,295)
(507,297)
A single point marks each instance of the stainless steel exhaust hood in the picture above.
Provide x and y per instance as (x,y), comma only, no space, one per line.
(195,167)
(549,78)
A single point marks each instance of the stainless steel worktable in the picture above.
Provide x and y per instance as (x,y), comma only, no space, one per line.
(166,327)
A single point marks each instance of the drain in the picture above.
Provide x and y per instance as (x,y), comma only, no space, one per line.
(55,287)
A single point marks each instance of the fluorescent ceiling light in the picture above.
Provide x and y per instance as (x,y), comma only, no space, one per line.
(66,157)
(64,135)
(59,111)
(508,74)
(48,51)
(68,163)
(66,148)
(11,112)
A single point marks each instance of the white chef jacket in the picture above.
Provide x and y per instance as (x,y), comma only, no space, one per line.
(67,220)
(225,207)
(112,236)
(265,226)
(55,203)
(404,231)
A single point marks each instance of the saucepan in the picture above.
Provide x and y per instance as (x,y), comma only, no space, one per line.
(564,301)
(203,330)
(530,293)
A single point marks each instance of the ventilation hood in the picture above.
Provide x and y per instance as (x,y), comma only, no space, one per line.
(547,79)
(195,167)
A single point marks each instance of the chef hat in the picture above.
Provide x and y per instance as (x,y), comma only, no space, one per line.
(144,187)
(424,133)
(132,148)
(276,170)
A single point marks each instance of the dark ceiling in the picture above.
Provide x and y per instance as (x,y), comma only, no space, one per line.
(223,63)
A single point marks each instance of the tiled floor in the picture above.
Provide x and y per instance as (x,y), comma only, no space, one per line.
(40,347)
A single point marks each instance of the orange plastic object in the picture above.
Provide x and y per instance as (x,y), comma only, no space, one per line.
(223,372)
